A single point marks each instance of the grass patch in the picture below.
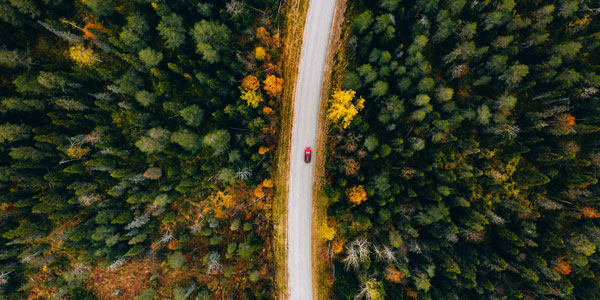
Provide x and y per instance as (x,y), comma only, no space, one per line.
(335,64)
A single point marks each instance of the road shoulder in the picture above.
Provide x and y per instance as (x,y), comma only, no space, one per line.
(322,268)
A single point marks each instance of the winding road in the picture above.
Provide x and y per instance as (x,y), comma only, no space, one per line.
(304,131)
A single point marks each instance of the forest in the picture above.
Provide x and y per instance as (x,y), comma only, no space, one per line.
(135,148)
(463,151)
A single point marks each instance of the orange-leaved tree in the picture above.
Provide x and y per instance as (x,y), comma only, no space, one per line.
(564,123)
(392,274)
(562,267)
(267,110)
(88,34)
(337,246)
(259,192)
(262,150)
(263,35)
(250,83)
(590,212)
(273,85)
(343,107)
(356,194)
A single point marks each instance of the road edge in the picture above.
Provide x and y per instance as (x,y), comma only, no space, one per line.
(320,247)
(295,18)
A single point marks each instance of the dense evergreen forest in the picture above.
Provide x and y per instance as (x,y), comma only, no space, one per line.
(464,163)
(134,148)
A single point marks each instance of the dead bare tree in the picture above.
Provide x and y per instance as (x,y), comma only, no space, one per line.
(213,263)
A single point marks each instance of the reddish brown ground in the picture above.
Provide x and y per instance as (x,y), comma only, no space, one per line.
(131,279)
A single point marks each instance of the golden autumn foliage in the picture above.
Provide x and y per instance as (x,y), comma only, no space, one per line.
(265,38)
(219,203)
(262,150)
(273,85)
(273,67)
(173,244)
(343,107)
(6,206)
(222,204)
(270,129)
(337,246)
(411,293)
(580,22)
(268,183)
(267,110)
(262,35)
(374,288)
(275,40)
(590,212)
(326,232)
(252,98)
(393,275)
(260,53)
(259,192)
(82,56)
(356,194)
(39,289)
(77,152)
(250,83)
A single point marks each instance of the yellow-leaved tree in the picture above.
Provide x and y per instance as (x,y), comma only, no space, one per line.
(326,232)
(83,56)
(371,289)
(260,53)
(252,98)
(77,152)
(268,183)
(343,107)
(356,194)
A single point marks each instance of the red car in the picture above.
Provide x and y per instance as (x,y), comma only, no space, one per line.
(307,153)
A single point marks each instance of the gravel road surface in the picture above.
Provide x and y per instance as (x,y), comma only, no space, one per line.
(304,131)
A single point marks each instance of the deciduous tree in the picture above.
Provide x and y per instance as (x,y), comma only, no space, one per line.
(273,85)
(356,194)
(83,56)
(252,98)
(250,83)
(343,107)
